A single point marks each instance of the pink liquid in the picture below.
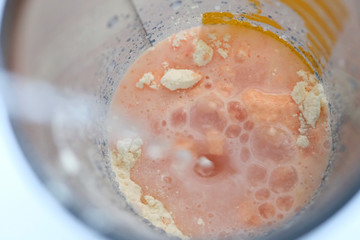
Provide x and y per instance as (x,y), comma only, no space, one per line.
(240,117)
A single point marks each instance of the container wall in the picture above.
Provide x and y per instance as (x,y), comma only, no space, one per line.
(65,59)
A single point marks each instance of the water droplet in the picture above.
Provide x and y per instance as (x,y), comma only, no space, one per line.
(176,5)
(112,21)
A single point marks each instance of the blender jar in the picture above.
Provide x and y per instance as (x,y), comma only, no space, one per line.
(64,60)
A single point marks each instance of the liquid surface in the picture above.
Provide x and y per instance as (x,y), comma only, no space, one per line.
(221,155)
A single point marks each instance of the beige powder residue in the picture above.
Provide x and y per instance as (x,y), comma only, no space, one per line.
(200,221)
(178,39)
(227,37)
(302,141)
(123,159)
(223,53)
(212,36)
(203,53)
(309,95)
(147,79)
(175,79)
(222,47)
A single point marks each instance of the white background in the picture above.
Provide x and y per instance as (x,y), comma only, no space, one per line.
(28,211)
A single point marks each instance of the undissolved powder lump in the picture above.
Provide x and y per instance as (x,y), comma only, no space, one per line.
(219,130)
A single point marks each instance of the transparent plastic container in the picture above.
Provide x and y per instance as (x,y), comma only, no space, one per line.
(63,61)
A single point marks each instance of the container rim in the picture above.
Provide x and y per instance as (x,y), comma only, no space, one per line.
(9,17)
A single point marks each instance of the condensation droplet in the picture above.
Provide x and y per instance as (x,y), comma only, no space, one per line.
(176,5)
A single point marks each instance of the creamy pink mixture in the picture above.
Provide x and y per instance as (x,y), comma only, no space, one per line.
(228,159)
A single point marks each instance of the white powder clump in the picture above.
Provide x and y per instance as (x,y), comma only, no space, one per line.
(128,151)
(310,97)
(175,79)
(200,221)
(154,86)
(302,141)
(221,47)
(299,92)
(223,53)
(306,76)
(123,159)
(165,65)
(147,79)
(226,45)
(203,53)
(217,43)
(227,37)
(178,38)
(303,127)
(312,108)
(243,53)
(212,36)
(156,213)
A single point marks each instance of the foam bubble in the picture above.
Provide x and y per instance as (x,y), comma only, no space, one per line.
(285,203)
(232,131)
(244,138)
(272,143)
(283,179)
(208,113)
(204,167)
(256,175)
(267,210)
(237,111)
(249,125)
(262,194)
(178,117)
(245,154)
